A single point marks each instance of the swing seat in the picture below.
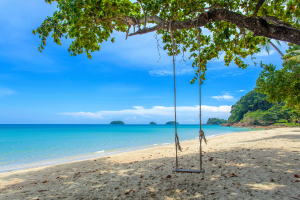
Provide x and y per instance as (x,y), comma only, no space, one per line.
(189,170)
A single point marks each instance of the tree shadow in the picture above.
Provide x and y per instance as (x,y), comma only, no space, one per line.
(230,174)
(279,137)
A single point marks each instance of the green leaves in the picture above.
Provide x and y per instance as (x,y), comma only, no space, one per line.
(113,40)
(282,84)
(293,55)
(90,22)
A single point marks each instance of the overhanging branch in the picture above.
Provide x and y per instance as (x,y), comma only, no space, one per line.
(259,26)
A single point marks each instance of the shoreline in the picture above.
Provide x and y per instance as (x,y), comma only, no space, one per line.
(251,165)
(116,152)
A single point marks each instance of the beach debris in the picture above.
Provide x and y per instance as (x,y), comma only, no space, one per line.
(192,165)
(211,193)
(45,181)
(297,176)
(248,149)
(239,184)
(233,175)
(202,178)
(141,176)
(127,192)
(169,176)
(42,190)
(211,159)
(212,171)
(77,174)
(272,180)
(297,180)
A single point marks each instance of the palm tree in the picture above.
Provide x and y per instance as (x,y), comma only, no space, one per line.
(295,56)
(267,46)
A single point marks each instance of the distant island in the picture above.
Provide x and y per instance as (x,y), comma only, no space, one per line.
(216,121)
(152,123)
(171,122)
(117,122)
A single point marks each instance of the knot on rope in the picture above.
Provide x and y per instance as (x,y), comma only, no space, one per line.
(202,136)
(177,142)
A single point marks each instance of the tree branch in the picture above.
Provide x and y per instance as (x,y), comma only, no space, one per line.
(274,31)
(147,30)
(276,21)
(145,22)
(257,7)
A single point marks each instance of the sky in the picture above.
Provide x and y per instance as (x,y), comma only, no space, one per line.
(128,80)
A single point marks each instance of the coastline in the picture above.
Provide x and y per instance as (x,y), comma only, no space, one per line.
(255,164)
(102,153)
(118,153)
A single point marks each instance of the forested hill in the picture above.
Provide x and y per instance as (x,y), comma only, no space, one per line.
(252,101)
(216,121)
(254,109)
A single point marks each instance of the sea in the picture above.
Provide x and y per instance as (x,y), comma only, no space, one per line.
(25,146)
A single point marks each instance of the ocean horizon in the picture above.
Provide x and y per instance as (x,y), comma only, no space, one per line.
(31,145)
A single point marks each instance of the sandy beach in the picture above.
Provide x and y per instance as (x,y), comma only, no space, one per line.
(247,165)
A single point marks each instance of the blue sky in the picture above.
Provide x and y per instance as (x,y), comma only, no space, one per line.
(126,80)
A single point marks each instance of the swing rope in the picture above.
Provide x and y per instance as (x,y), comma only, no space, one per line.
(177,144)
(201,132)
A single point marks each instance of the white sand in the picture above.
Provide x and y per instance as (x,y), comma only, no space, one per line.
(249,165)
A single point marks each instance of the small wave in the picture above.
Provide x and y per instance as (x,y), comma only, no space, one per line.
(100,151)
(155,145)
(165,143)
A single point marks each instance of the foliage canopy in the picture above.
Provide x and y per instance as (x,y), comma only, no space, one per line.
(237,26)
(281,85)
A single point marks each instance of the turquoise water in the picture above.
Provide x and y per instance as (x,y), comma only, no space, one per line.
(23,146)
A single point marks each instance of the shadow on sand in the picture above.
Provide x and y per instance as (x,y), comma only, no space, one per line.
(238,173)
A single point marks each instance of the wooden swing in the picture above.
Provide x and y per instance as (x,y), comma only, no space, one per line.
(201,133)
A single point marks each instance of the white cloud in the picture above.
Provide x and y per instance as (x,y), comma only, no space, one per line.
(241,91)
(154,111)
(160,72)
(6,92)
(85,114)
(224,97)
(164,72)
(264,53)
